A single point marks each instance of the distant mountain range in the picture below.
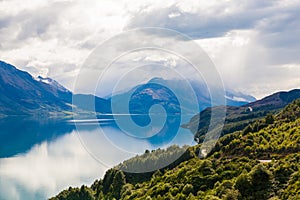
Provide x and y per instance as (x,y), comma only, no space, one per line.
(175,96)
(22,94)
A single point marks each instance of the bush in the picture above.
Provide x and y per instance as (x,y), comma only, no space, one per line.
(187,189)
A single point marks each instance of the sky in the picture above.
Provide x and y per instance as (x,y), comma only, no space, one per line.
(254,44)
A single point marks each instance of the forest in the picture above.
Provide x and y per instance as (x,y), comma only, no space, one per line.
(259,162)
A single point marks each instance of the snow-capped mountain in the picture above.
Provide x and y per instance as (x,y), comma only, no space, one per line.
(52,83)
(22,94)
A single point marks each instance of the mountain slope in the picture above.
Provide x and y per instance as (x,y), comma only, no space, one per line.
(260,164)
(175,95)
(238,118)
(276,100)
(22,94)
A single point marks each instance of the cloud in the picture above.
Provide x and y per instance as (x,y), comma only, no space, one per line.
(249,66)
(202,19)
(246,40)
(59,35)
(139,55)
(55,34)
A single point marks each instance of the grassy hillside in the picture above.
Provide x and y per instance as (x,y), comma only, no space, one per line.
(259,162)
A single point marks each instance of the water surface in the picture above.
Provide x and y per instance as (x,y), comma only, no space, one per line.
(40,157)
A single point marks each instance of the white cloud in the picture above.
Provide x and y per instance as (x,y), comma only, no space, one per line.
(59,35)
(244,39)
(56,34)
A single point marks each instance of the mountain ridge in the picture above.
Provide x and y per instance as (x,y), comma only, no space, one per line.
(23,94)
(238,117)
(173,94)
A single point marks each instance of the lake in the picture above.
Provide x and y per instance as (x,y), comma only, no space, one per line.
(41,157)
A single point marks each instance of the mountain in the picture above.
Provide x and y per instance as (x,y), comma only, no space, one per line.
(55,88)
(92,103)
(276,100)
(237,98)
(22,94)
(175,96)
(259,164)
(238,118)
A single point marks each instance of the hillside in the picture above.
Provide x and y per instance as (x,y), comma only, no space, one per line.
(22,94)
(259,162)
(238,117)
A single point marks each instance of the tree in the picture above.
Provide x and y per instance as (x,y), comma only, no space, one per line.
(118,182)
(261,182)
(231,195)
(187,189)
(247,130)
(269,119)
(243,184)
(107,180)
